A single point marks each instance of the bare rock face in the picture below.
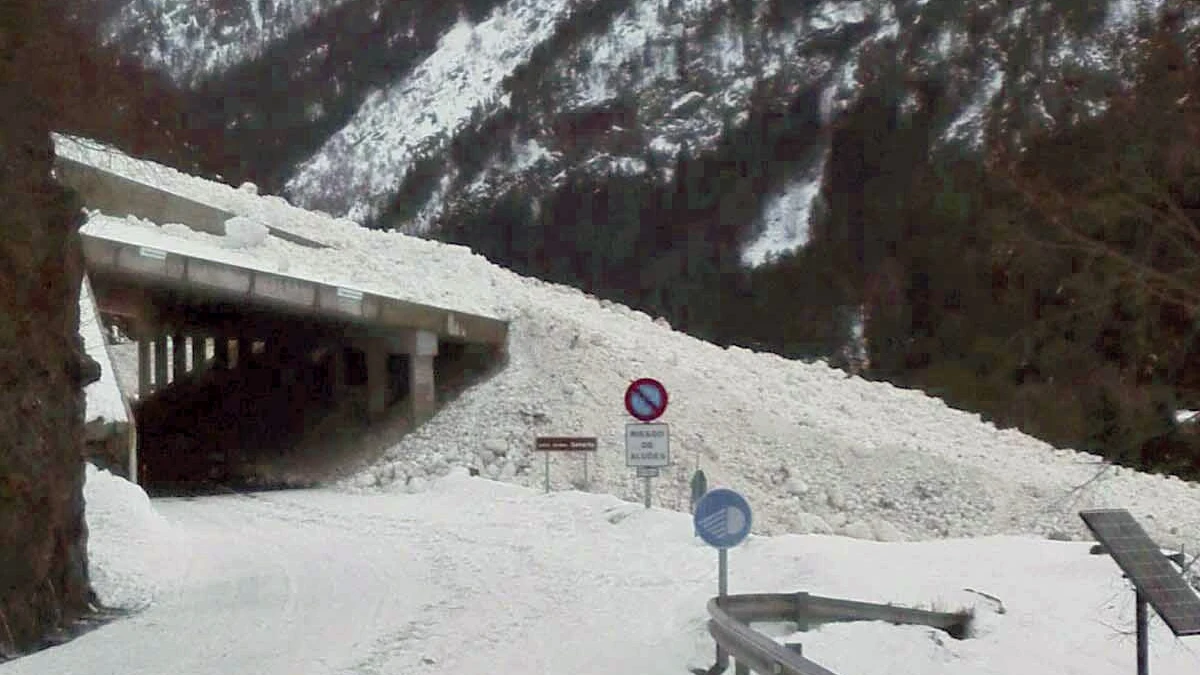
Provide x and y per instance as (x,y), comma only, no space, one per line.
(43,538)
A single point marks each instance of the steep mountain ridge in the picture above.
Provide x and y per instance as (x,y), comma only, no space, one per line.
(362,107)
(664,75)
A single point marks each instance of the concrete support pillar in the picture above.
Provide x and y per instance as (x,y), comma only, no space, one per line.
(423,397)
(377,377)
(423,393)
(221,356)
(160,360)
(145,379)
(178,355)
(337,370)
(241,350)
(199,352)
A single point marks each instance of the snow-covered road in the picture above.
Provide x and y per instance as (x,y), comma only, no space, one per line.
(471,576)
(315,582)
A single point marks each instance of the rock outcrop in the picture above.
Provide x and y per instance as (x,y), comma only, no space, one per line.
(43,367)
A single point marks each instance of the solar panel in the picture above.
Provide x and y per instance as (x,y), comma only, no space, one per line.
(1144,563)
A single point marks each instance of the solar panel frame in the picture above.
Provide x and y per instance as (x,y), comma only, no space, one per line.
(1152,574)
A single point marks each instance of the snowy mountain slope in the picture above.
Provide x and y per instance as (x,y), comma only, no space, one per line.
(424,118)
(193,41)
(633,62)
(684,72)
(815,450)
(418,113)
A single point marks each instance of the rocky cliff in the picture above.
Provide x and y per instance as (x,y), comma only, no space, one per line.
(43,539)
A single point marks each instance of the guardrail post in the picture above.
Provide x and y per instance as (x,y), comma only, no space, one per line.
(802,618)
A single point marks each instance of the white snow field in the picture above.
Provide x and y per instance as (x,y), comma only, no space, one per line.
(476,577)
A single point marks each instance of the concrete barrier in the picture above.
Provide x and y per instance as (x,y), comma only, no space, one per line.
(116,195)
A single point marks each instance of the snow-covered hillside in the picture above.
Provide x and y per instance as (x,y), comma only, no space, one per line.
(690,70)
(194,41)
(543,88)
(815,450)
(372,153)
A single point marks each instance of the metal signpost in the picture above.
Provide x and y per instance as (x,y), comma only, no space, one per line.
(647,446)
(699,487)
(722,519)
(549,444)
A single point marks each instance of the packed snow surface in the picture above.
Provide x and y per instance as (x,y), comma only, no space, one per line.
(471,576)
(815,451)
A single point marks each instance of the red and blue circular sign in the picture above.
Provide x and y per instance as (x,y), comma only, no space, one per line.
(646,399)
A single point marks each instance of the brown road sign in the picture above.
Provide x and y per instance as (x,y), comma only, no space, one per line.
(565,444)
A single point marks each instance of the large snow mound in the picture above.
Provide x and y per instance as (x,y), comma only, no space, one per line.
(132,550)
(813,449)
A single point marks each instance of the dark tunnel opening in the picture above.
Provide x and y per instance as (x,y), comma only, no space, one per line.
(274,419)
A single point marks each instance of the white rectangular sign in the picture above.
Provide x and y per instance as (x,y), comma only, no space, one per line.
(647,445)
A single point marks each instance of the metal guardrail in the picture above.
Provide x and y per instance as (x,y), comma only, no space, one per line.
(731,616)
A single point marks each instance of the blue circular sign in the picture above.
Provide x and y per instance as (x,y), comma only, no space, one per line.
(646,399)
(722,518)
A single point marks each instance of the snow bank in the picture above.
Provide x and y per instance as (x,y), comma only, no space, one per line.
(813,449)
(104,395)
(131,548)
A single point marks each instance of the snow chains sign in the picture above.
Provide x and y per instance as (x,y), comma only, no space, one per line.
(723,518)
